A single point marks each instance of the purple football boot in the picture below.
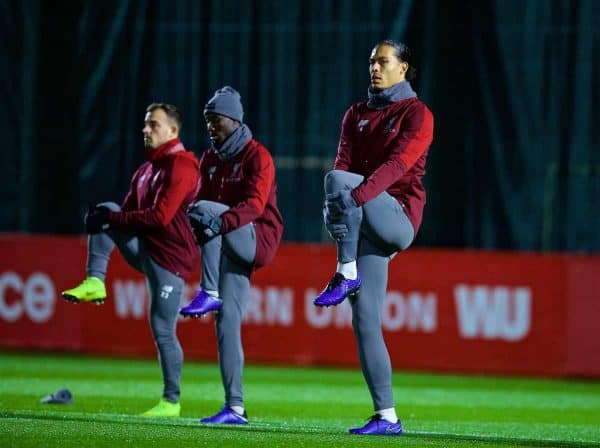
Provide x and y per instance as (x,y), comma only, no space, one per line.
(201,304)
(336,291)
(227,416)
(378,426)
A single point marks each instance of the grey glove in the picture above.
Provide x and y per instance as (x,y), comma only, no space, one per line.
(340,203)
(337,231)
(205,227)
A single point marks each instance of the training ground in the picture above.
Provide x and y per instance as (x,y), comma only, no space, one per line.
(288,407)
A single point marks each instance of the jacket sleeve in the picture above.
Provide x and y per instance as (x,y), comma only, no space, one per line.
(180,180)
(415,136)
(259,175)
(343,160)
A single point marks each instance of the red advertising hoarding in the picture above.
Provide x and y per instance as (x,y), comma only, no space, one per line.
(445,310)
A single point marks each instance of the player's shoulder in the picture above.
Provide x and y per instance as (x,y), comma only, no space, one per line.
(358,107)
(187,158)
(410,106)
(416,103)
(182,160)
(255,145)
(257,154)
(355,111)
(256,148)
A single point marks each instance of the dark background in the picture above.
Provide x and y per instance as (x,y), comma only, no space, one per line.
(513,85)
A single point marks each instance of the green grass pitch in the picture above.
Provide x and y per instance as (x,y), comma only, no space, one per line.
(288,407)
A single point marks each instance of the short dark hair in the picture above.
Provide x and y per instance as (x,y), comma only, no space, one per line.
(404,54)
(172,112)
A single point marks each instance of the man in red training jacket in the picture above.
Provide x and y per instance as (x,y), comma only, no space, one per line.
(152,232)
(373,209)
(238,228)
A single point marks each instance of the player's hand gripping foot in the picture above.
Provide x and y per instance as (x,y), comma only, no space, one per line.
(164,408)
(336,291)
(227,416)
(201,304)
(92,289)
(378,426)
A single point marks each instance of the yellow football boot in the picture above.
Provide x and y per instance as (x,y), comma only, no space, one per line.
(92,289)
(164,408)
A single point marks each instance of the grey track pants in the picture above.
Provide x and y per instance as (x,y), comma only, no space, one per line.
(165,291)
(376,232)
(226,267)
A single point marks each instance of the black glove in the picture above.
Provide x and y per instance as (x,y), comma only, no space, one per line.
(340,203)
(96,220)
(205,227)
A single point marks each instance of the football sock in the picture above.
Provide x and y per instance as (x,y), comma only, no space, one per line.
(388,414)
(348,270)
(237,409)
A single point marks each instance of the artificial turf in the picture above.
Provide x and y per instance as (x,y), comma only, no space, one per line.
(287,407)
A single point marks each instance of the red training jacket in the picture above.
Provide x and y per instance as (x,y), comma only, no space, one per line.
(156,205)
(389,148)
(246,183)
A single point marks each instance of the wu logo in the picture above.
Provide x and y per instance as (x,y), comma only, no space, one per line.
(362,124)
(165,291)
(498,312)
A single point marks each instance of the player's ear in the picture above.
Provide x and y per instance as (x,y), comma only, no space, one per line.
(403,67)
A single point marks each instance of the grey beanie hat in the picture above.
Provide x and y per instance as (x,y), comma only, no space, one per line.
(226,101)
